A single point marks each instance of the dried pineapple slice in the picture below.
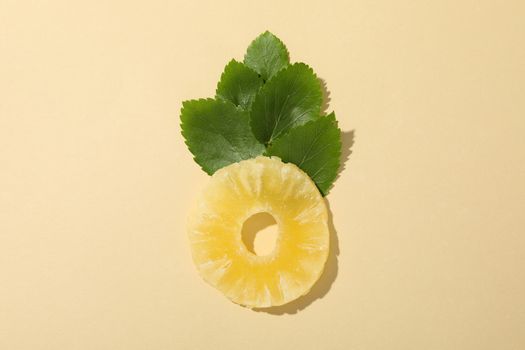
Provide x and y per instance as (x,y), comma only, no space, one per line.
(234,194)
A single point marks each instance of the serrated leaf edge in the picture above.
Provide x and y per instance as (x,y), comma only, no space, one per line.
(186,142)
(222,75)
(280,42)
(339,150)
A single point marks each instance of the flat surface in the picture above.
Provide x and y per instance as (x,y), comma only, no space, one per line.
(95,180)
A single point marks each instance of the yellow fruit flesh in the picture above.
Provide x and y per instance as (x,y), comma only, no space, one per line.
(235,193)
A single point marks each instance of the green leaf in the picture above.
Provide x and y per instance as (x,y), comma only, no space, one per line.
(217,133)
(315,148)
(239,84)
(266,55)
(291,98)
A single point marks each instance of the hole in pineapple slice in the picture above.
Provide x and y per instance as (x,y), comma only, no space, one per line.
(259,233)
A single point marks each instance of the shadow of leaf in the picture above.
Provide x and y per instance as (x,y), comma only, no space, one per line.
(326,97)
(347,141)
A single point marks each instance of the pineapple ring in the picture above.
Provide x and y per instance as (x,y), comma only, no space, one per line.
(239,191)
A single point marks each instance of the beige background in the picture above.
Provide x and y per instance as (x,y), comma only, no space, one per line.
(95,180)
